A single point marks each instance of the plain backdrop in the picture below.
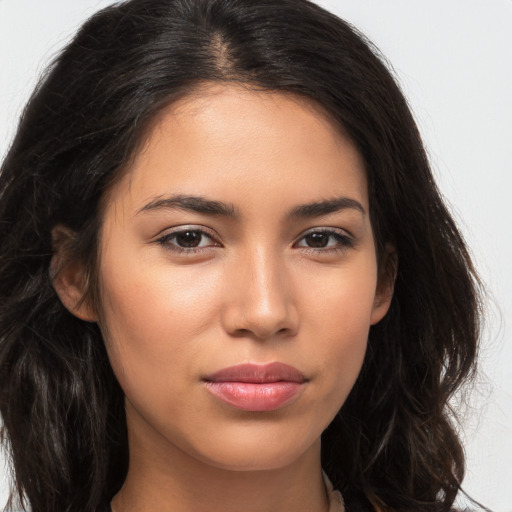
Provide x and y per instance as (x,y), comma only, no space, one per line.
(453,60)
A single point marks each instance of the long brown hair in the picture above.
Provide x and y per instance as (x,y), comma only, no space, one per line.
(393,443)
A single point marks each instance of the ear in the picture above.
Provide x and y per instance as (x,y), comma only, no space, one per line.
(69,275)
(385,285)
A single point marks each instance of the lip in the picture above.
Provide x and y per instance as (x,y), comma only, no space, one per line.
(256,387)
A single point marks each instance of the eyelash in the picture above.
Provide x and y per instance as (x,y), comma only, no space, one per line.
(166,239)
(344,241)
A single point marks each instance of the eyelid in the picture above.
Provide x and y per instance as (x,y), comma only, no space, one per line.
(345,239)
(166,235)
(169,230)
(327,230)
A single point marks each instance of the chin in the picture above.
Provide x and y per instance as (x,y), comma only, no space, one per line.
(257,454)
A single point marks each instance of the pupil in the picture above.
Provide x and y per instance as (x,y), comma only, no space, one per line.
(188,239)
(317,240)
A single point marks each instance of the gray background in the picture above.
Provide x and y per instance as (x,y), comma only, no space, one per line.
(454,62)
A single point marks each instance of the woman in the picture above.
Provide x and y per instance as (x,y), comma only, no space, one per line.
(225,268)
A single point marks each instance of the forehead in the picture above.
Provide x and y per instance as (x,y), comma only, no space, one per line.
(229,141)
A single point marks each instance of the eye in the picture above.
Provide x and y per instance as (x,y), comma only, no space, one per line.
(325,240)
(187,240)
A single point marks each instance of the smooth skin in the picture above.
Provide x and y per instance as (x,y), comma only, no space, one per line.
(239,234)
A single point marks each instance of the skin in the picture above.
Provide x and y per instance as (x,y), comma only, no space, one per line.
(262,286)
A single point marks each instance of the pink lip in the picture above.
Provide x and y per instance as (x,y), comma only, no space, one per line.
(252,387)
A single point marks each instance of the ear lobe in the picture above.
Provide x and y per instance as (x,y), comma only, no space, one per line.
(385,285)
(69,276)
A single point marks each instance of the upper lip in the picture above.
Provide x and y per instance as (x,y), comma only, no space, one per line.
(257,373)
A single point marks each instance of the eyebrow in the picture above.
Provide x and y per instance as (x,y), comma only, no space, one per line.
(320,208)
(192,204)
(210,207)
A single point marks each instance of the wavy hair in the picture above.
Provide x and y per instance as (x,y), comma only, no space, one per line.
(393,444)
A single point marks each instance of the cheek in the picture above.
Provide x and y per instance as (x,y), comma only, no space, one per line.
(342,299)
(155,318)
(339,314)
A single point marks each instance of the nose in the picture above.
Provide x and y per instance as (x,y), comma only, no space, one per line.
(261,302)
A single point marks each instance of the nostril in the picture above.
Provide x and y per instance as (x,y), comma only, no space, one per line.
(261,332)
(241,333)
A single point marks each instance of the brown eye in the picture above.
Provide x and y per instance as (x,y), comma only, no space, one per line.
(188,238)
(325,240)
(317,240)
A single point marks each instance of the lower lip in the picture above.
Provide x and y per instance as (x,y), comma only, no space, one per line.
(249,396)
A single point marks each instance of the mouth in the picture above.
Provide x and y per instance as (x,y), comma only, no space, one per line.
(254,387)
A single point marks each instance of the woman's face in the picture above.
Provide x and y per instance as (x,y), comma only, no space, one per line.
(240,235)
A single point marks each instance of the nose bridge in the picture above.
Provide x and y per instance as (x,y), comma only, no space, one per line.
(262,301)
(266,289)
